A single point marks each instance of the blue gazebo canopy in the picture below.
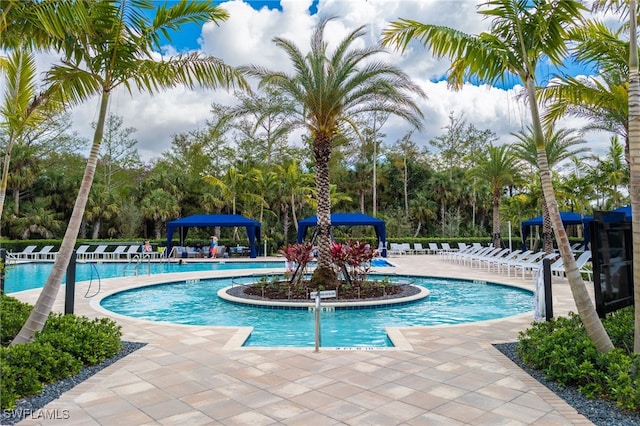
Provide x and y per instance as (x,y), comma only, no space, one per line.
(210,220)
(568,218)
(346,219)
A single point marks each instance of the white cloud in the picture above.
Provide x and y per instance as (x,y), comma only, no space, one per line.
(247,38)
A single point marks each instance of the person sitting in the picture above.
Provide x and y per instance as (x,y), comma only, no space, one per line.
(146,248)
(199,250)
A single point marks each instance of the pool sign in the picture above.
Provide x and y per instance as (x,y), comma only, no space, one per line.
(325,294)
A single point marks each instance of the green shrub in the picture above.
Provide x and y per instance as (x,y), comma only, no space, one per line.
(27,367)
(66,343)
(619,325)
(90,341)
(562,350)
(13,315)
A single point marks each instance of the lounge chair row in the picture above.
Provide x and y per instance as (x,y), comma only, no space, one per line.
(84,252)
(520,262)
(405,248)
(102,252)
(30,253)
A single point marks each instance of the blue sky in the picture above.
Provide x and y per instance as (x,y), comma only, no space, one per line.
(247,38)
(188,37)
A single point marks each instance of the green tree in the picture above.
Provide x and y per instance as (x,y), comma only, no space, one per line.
(107,45)
(610,174)
(329,91)
(560,145)
(602,101)
(159,206)
(21,108)
(499,166)
(521,34)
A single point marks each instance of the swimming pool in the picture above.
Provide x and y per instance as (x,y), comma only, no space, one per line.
(196,302)
(26,276)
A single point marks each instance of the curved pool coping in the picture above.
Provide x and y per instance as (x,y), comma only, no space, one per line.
(223,294)
(395,333)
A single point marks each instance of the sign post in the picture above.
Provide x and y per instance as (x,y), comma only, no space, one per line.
(317,322)
(325,294)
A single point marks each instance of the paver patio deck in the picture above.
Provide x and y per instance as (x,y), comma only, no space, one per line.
(193,375)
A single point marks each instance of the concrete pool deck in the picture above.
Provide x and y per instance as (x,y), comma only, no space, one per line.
(199,375)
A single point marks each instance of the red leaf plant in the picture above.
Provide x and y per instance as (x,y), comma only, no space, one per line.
(297,254)
(354,257)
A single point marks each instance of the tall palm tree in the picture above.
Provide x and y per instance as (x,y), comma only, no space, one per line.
(634,153)
(159,206)
(21,108)
(298,185)
(603,101)
(610,173)
(330,91)
(500,167)
(559,146)
(106,45)
(633,142)
(522,32)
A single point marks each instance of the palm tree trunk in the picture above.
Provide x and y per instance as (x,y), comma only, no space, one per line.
(634,153)
(293,212)
(497,241)
(322,154)
(5,176)
(586,309)
(547,230)
(44,304)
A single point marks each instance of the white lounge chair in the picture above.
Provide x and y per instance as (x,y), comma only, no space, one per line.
(460,255)
(446,248)
(100,252)
(496,261)
(533,263)
(491,256)
(81,252)
(433,248)
(395,249)
(118,252)
(582,260)
(45,253)
(468,258)
(28,250)
(132,251)
(418,249)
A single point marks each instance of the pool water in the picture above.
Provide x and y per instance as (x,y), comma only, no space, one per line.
(27,276)
(196,303)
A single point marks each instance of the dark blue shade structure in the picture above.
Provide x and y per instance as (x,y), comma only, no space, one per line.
(346,219)
(568,218)
(210,220)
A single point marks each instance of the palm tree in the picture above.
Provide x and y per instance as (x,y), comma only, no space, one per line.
(21,109)
(634,153)
(604,100)
(559,146)
(159,206)
(106,45)
(633,142)
(610,173)
(329,92)
(521,33)
(297,184)
(500,167)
